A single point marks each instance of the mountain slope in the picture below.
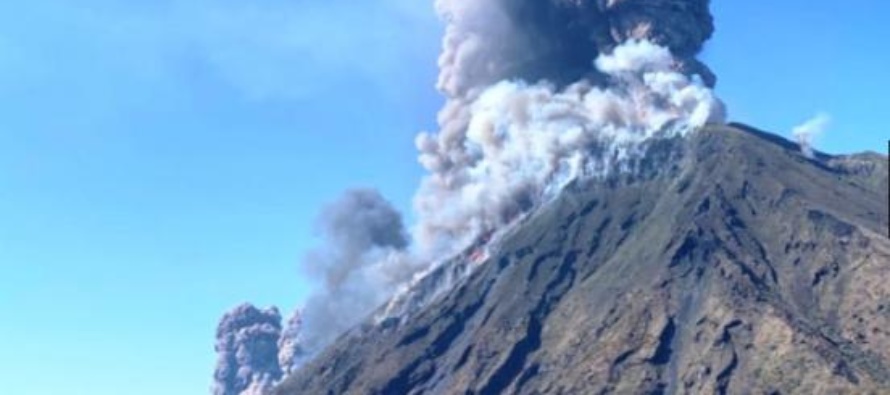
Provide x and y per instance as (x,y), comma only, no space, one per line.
(728,263)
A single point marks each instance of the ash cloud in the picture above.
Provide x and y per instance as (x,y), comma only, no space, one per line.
(362,259)
(532,85)
(538,93)
(247,350)
(487,41)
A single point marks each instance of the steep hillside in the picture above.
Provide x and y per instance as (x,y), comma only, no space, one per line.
(726,263)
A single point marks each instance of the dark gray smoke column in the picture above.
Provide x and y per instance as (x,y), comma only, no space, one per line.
(360,263)
(682,26)
(247,347)
(557,40)
(358,222)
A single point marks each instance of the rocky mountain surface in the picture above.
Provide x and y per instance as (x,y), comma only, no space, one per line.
(726,262)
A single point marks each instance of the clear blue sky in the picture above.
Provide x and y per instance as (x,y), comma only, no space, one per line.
(162,161)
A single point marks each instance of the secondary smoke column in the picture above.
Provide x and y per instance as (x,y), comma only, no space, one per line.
(807,132)
(361,261)
(538,91)
(290,348)
(246,345)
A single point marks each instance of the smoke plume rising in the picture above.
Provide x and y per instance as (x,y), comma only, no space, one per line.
(246,345)
(361,260)
(807,132)
(538,93)
(532,86)
(487,41)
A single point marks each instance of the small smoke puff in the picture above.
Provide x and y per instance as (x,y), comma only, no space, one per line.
(807,132)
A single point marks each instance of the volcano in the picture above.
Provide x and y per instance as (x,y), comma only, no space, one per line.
(726,262)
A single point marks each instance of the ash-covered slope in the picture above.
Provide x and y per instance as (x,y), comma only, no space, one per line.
(728,263)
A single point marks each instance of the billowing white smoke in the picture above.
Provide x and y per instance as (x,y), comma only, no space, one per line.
(522,140)
(520,143)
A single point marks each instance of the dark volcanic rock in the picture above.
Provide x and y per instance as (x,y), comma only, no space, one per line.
(737,265)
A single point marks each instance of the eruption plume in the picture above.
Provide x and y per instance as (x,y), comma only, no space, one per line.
(532,86)
(538,93)
(487,41)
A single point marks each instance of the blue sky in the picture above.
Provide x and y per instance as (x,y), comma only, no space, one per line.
(162,161)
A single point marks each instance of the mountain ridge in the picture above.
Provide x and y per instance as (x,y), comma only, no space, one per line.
(727,262)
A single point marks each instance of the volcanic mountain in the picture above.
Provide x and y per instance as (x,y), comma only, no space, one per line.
(727,262)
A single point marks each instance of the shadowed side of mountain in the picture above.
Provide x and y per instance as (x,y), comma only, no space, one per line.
(728,263)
